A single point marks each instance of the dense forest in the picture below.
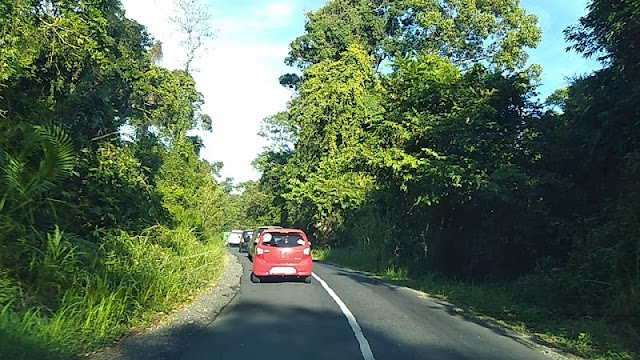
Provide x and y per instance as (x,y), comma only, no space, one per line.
(416,135)
(107,214)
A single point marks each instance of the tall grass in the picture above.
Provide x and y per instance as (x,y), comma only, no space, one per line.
(92,299)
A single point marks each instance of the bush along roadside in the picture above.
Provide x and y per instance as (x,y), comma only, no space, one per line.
(97,293)
(510,305)
(65,292)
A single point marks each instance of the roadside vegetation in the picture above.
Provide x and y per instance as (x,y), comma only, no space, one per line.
(416,143)
(506,304)
(108,218)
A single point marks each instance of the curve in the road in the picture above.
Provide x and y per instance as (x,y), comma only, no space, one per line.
(367,354)
(290,320)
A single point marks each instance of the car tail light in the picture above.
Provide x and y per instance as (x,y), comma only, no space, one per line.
(306,251)
(259,251)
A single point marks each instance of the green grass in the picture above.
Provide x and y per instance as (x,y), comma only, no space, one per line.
(586,337)
(93,300)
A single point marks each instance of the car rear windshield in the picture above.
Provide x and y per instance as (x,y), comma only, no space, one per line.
(284,240)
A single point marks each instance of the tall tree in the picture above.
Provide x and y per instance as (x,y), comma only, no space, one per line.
(609,30)
(465,31)
(193,22)
(598,139)
(333,28)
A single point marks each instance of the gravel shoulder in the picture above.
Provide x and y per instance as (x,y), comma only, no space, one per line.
(169,339)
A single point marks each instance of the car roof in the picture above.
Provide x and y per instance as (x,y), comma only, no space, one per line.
(284,230)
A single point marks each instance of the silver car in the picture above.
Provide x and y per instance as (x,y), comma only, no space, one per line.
(256,235)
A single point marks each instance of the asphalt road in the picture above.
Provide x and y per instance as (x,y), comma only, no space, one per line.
(294,320)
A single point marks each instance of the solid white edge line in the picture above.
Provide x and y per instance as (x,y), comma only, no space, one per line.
(365,349)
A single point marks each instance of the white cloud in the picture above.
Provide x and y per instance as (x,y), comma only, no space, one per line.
(280,11)
(238,76)
(240,90)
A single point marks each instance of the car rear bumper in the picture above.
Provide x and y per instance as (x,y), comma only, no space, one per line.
(263,268)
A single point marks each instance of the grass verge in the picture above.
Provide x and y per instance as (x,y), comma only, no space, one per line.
(88,295)
(585,336)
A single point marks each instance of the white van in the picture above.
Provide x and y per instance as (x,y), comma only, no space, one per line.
(234,238)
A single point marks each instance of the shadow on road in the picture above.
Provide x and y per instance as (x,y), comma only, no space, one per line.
(256,330)
(293,321)
(434,304)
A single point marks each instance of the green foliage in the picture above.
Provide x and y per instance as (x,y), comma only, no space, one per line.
(280,131)
(462,150)
(83,57)
(446,164)
(17,53)
(337,102)
(114,190)
(166,100)
(608,30)
(96,297)
(97,234)
(469,32)
(34,160)
(341,23)
(466,32)
(592,147)
(189,192)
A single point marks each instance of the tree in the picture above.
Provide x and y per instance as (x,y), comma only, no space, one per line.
(609,29)
(168,101)
(279,130)
(467,32)
(84,54)
(193,21)
(592,149)
(337,102)
(341,23)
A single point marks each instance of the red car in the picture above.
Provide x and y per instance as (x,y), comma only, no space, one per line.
(282,253)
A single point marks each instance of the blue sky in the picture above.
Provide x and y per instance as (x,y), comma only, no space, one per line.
(238,73)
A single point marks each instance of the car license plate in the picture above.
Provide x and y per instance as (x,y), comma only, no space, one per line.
(282,270)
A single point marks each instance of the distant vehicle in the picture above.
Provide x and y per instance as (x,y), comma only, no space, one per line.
(245,240)
(282,253)
(254,238)
(234,238)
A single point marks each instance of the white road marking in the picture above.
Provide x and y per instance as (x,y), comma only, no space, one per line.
(365,349)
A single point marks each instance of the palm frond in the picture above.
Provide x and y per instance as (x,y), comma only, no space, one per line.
(58,153)
(34,160)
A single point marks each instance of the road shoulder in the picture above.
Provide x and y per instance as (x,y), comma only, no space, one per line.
(168,339)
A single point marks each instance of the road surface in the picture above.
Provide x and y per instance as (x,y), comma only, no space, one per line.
(351,317)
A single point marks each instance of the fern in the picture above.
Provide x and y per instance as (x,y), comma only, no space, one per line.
(34,160)
(58,160)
